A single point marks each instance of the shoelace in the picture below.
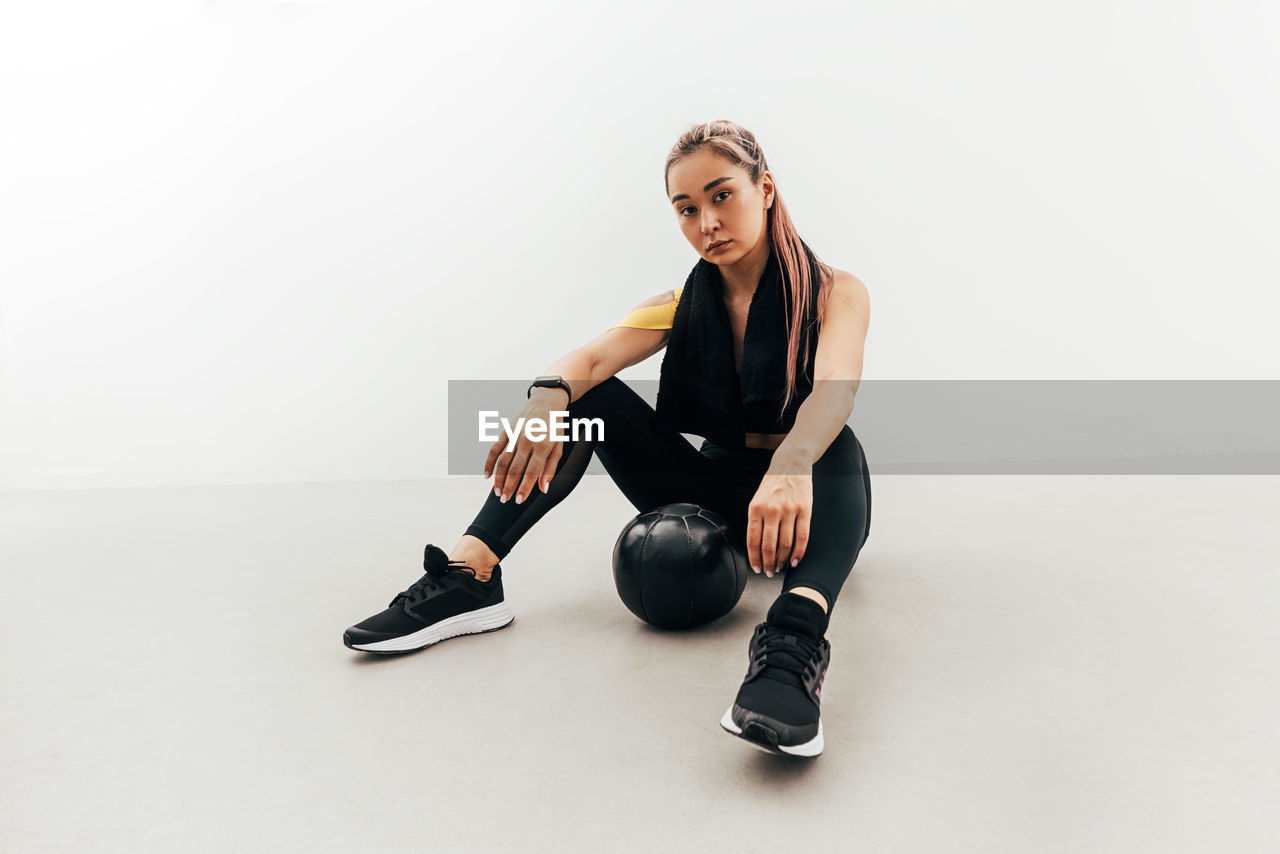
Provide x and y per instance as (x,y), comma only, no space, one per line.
(779,655)
(432,580)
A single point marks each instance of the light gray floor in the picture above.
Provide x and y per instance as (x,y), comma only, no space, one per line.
(1020,664)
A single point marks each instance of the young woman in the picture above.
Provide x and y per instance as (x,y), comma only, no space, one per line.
(764,355)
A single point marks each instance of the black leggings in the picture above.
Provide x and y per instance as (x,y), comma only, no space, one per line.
(654,467)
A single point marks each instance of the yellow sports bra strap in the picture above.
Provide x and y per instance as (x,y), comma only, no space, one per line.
(652,316)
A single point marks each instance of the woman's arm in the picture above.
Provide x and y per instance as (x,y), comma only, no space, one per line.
(607,354)
(837,371)
(779,513)
(574,368)
(532,463)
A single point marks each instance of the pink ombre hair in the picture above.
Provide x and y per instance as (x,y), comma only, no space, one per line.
(802,272)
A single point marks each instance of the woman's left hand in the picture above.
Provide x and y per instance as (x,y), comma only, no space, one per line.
(778,516)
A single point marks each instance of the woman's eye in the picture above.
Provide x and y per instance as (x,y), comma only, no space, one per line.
(722,192)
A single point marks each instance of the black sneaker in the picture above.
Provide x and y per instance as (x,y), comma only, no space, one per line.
(446,602)
(777,706)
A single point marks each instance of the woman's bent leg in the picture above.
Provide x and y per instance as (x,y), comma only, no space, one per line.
(651,466)
(841,519)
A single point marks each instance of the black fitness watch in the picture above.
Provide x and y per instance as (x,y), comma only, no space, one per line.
(550,381)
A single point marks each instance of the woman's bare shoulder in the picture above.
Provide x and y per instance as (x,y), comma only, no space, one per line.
(842,282)
(845,287)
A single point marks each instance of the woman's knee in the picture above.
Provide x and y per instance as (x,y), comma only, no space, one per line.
(603,395)
(842,456)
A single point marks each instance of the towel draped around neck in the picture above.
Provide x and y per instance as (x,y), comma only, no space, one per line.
(699,390)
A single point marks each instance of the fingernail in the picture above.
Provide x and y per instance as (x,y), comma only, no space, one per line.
(794,561)
(486,474)
(497,493)
(520,498)
(504,498)
(755,568)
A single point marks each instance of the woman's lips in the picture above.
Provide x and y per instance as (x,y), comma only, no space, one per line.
(717,247)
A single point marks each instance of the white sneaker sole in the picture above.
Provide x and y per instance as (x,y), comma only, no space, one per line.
(487,619)
(812,747)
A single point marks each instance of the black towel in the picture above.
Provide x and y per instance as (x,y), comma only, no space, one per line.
(699,392)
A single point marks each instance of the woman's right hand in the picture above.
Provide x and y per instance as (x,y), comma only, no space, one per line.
(530,462)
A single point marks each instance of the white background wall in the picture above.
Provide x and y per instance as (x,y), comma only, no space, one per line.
(250,242)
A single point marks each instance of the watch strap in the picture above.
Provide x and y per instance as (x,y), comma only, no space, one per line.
(549,382)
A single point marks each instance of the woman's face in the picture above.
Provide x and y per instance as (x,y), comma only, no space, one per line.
(714,200)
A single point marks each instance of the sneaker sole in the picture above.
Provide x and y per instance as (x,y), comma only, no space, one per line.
(476,622)
(762,737)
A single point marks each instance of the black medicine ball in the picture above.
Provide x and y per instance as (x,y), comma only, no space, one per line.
(676,567)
